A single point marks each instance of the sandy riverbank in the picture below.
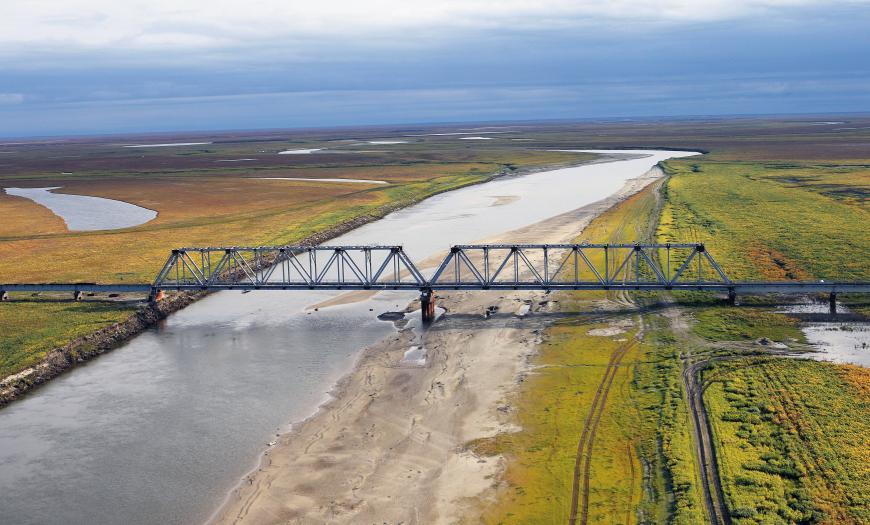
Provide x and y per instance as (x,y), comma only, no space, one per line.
(389,447)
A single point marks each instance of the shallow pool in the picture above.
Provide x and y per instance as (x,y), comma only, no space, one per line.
(85,213)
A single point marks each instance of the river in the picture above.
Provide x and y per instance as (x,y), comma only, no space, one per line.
(160,429)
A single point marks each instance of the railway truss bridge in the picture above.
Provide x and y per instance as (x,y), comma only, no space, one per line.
(548,267)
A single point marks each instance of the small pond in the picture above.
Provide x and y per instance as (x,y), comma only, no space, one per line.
(84,213)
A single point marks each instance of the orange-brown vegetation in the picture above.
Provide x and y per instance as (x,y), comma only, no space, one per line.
(23,217)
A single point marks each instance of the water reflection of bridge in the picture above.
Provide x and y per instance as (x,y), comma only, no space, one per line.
(547,267)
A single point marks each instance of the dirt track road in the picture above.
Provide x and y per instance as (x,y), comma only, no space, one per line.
(702,434)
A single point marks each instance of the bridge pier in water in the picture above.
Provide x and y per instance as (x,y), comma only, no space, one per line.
(832,302)
(427,306)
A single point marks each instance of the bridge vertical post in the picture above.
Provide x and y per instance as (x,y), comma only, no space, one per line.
(427,306)
(732,297)
(832,302)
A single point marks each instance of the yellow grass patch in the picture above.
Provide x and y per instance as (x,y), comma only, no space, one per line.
(20,216)
(792,441)
(859,377)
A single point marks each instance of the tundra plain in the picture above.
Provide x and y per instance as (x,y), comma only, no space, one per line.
(630,408)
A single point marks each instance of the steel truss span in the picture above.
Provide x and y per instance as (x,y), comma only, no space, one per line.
(467,267)
(675,266)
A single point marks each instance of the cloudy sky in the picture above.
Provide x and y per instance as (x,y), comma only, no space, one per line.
(110,66)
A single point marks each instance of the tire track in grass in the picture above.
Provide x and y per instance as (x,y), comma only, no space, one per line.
(714,497)
(583,459)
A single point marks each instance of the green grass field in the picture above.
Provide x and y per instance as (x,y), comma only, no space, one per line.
(725,323)
(766,221)
(33,328)
(793,440)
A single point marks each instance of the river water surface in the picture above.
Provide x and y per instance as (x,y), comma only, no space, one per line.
(160,429)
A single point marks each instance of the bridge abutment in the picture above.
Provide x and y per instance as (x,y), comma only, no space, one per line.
(77,295)
(3,295)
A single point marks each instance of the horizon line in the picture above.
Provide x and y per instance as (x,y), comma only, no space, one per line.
(501,122)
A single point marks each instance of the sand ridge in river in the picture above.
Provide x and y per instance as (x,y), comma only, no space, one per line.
(389,447)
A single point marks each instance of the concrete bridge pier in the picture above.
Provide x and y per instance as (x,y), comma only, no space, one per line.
(155,295)
(427,306)
(732,297)
(832,302)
